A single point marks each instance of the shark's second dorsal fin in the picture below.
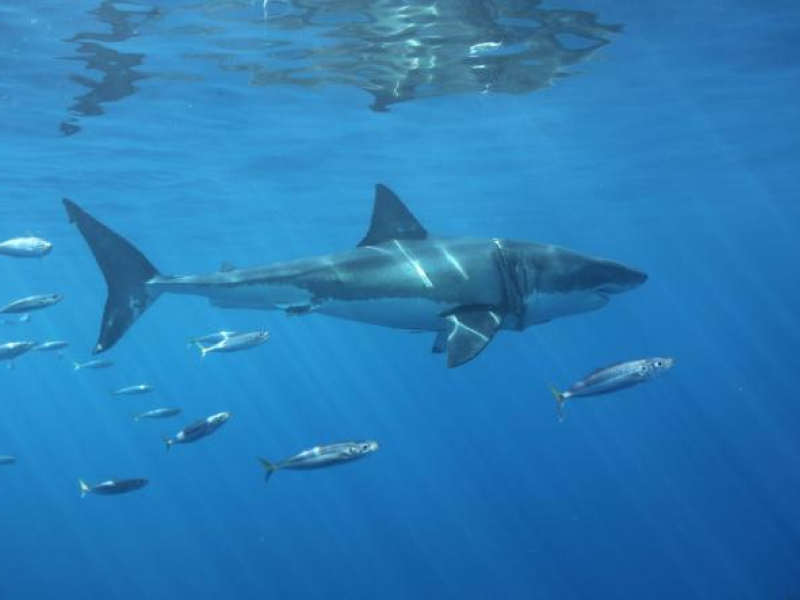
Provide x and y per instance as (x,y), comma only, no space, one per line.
(391,220)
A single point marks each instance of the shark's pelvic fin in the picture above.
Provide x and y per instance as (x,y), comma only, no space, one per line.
(126,271)
(469,331)
(391,220)
(440,343)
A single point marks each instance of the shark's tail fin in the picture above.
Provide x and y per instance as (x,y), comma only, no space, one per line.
(167,442)
(85,489)
(126,271)
(269,468)
(560,399)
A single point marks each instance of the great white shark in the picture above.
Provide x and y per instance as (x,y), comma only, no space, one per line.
(464,290)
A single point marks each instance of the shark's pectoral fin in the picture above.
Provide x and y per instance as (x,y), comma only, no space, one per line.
(440,343)
(391,220)
(469,331)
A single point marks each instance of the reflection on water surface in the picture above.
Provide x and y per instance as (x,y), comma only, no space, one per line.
(394,50)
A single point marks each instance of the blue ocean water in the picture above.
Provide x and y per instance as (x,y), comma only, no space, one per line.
(673,148)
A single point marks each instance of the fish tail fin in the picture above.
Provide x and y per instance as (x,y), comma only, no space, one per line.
(269,468)
(84,487)
(126,271)
(76,366)
(168,442)
(560,400)
(136,417)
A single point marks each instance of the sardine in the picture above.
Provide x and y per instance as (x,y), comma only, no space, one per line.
(24,305)
(320,457)
(93,364)
(12,350)
(53,346)
(198,430)
(25,247)
(133,390)
(612,378)
(112,486)
(157,413)
(236,342)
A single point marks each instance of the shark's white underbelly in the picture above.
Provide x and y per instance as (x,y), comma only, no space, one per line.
(400,313)
(260,297)
(545,307)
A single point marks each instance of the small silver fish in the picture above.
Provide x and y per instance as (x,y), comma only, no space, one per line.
(236,343)
(93,364)
(198,430)
(7,460)
(53,346)
(157,413)
(112,486)
(133,390)
(12,350)
(25,247)
(320,457)
(24,305)
(211,338)
(612,378)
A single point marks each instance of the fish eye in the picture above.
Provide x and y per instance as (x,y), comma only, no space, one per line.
(659,364)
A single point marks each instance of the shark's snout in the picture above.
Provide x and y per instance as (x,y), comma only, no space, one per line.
(634,278)
(619,278)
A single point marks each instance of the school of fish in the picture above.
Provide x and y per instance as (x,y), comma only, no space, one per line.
(217,342)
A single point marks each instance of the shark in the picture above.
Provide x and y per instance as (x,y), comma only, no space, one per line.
(462,290)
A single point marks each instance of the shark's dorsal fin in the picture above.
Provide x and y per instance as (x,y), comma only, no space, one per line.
(391,220)
(226,266)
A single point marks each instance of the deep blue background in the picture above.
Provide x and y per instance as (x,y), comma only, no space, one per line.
(675,150)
